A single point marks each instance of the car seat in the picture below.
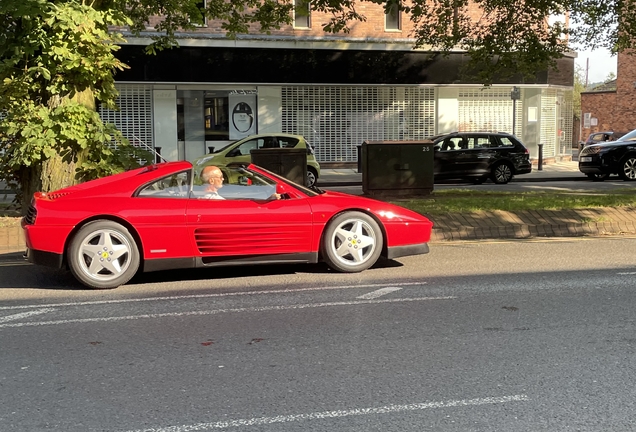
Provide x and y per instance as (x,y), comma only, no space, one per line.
(270,143)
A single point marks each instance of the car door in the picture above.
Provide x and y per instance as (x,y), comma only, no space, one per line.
(157,211)
(481,148)
(468,158)
(244,227)
(445,157)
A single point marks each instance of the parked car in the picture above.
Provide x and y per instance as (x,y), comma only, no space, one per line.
(239,152)
(597,137)
(478,156)
(599,161)
(159,217)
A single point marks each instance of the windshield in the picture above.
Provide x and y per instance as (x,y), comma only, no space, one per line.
(629,137)
(304,189)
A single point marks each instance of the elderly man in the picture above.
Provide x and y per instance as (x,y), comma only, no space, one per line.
(212,177)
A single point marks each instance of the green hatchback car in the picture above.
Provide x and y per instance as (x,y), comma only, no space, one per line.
(239,152)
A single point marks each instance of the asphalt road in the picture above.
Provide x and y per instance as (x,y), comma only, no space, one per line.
(475,336)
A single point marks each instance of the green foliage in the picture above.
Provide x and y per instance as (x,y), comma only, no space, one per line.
(53,50)
(51,53)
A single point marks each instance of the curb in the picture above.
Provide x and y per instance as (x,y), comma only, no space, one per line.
(533,231)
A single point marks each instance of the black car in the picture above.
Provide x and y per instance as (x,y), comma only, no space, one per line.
(477,156)
(597,137)
(599,161)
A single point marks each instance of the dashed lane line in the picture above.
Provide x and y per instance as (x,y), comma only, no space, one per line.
(378,293)
(21,315)
(196,296)
(217,311)
(256,421)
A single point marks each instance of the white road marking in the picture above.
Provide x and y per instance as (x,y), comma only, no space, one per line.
(195,296)
(337,414)
(218,311)
(378,293)
(627,273)
(24,315)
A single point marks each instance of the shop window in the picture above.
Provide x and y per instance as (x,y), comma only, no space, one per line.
(302,14)
(216,114)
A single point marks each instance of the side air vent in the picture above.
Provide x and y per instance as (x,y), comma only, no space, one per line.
(32,213)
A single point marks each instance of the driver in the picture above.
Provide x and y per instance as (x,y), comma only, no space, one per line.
(212,177)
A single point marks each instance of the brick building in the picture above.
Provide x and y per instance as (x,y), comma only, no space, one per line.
(612,110)
(336,90)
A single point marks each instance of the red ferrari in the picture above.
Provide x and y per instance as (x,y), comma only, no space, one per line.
(173,215)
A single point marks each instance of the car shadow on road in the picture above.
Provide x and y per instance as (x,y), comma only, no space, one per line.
(17,273)
(220,273)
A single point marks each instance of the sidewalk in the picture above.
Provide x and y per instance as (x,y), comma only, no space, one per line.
(471,226)
(558,171)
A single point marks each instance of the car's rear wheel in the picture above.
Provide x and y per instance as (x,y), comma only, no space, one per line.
(312,177)
(501,173)
(628,168)
(598,177)
(103,254)
(352,242)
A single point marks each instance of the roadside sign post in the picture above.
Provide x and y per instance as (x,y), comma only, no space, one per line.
(515,95)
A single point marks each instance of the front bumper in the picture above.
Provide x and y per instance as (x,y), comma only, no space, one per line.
(400,251)
(596,166)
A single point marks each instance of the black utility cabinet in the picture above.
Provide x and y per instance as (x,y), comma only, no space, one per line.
(289,163)
(397,167)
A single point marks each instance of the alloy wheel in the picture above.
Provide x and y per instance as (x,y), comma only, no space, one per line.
(629,169)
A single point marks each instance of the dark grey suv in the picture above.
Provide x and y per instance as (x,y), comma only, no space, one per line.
(477,156)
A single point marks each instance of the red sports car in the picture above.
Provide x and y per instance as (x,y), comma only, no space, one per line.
(173,215)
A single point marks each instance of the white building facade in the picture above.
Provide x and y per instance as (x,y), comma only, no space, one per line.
(210,92)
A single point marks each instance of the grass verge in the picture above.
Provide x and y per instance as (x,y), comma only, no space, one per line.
(463,201)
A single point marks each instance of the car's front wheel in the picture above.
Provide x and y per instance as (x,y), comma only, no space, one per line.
(352,242)
(628,168)
(312,177)
(501,173)
(103,254)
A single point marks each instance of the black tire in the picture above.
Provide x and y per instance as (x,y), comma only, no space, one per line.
(312,177)
(501,173)
(598,177)
(103,255)
(352,242)
(628,168)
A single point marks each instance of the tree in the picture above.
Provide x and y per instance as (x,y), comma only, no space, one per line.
(57,59)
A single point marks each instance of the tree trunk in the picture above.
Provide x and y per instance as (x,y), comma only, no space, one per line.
(53,173)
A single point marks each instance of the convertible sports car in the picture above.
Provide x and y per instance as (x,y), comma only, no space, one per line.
(158,218)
